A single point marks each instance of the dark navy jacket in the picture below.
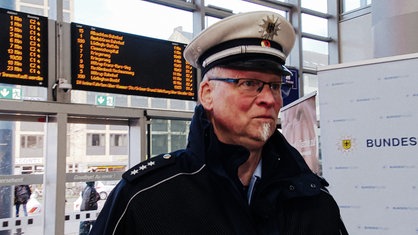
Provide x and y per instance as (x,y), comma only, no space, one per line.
(197,191)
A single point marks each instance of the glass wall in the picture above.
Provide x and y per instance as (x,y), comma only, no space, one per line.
(315,53)
(22,161)
(318,5)
(316,38)
(56,140)
(238,6)
(168,135)
(350,5)
(95,153)
(128,16)
(133,16)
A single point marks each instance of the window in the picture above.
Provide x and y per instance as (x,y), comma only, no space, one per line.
(315,53)
(31,141)
(159,144)
(159,125)
(310,83)
(349,5)
(118,140)
(72,168)
(168,135)
(95,139)
(238,6)
(317,5)
(314,25)
(128,16)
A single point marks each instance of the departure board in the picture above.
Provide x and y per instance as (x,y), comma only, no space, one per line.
(23,49)
(104,60)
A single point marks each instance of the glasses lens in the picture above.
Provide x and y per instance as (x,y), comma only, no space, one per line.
(275,87)
(250,86)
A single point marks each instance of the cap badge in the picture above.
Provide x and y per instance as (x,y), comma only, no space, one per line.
(269,27)
(265,43)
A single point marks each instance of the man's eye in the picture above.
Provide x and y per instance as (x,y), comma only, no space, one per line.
(275,86)
(249,83)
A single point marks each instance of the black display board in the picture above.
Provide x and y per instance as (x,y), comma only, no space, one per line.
(23,48)
(108,61)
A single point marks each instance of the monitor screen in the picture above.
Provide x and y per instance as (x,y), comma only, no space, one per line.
(23,48)
(108,61)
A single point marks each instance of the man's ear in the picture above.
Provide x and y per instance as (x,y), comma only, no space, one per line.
(205,95)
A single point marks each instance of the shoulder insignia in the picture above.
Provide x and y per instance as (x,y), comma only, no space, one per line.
(148,166)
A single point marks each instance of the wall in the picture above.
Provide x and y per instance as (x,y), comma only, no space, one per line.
(387,28)
(394,27)
(356,39)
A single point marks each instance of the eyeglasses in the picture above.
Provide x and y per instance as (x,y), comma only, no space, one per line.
(253,87)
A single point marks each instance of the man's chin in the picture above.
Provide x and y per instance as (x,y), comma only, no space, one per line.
(264,132)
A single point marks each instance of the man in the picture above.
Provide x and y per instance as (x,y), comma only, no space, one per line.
(238,175)
(89,197)
(22,196)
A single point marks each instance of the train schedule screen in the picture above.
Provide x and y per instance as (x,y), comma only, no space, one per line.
(23,49)
(103,60)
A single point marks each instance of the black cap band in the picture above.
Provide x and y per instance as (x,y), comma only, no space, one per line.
(248,54)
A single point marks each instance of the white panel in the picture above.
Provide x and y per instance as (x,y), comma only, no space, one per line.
(369,142)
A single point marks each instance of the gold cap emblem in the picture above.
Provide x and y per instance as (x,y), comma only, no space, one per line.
(269,27)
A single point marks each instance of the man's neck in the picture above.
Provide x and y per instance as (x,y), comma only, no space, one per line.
(246,170)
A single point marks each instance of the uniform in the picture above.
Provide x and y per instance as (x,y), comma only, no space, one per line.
(197,191)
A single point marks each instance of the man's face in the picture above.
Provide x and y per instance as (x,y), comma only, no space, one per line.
(237,116)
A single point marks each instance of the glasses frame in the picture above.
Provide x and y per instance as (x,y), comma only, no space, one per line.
(284,86)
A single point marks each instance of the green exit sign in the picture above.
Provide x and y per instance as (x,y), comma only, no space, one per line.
(105,100)
(10,93)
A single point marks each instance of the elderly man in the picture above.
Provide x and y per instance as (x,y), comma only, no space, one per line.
(238,174)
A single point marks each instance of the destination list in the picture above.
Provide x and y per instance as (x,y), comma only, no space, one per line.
(23,49)
(115,62)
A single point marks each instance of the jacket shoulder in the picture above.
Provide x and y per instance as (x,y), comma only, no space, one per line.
(151,165)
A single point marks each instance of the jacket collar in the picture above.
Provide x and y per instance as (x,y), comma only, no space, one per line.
(223,159)
(281,162)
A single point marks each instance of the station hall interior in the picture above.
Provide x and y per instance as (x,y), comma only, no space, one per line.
(58,131)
